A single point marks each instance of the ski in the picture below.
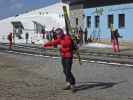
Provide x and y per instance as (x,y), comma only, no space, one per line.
(69,30)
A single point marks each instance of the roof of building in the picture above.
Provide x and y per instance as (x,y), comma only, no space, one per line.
(95,3)
(50,16)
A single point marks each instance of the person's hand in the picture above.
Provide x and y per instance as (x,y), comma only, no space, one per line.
(43,46)
(59,46)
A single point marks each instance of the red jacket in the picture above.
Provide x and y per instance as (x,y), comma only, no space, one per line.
(66,46)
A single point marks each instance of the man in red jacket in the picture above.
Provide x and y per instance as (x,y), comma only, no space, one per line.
(64,42)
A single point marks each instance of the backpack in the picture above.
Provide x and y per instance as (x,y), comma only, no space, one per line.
(117,34)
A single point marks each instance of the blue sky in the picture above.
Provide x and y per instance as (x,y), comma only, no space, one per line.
(13,7)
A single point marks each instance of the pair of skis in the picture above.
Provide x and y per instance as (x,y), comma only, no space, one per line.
(69,30)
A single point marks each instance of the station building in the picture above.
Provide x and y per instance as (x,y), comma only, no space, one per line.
(98,15)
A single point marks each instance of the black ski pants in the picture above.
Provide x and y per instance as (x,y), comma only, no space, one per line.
(67,66)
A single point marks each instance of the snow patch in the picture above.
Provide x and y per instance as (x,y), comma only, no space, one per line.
(98,45)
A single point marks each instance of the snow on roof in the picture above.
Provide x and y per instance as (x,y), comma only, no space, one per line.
(52,9)
(50,16)
(56,8)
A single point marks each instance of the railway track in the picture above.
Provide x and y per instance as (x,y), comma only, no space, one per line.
(82,51)
(86,55)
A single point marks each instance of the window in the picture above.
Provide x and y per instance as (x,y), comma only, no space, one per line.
(88,21)
(110,20)
(97,21)
(121,20)
(77,21)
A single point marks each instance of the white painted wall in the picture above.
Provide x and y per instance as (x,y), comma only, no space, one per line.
(50,16)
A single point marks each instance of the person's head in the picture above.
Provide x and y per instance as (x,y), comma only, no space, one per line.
(60,33)
(112,27)
(10,33)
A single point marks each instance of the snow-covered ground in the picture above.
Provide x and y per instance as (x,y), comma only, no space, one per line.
(34,38)
(98,45)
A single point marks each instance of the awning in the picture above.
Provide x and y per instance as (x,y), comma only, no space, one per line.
(17,24)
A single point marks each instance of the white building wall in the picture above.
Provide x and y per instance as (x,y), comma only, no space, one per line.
(50,16)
